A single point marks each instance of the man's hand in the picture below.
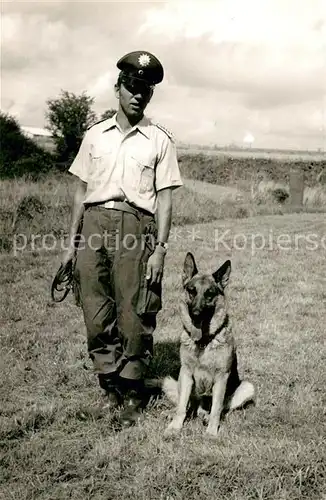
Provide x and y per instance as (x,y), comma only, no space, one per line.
(68,256)
(76,218)
(155,265)
(62,281)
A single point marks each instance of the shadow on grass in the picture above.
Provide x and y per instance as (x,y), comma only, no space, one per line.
(166,361)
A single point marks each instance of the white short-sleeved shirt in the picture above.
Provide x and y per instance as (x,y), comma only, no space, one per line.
(130,166)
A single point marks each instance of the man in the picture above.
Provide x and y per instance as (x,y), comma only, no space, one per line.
(127,168)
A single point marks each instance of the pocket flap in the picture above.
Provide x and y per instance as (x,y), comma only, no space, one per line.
(150,296)
(143,160)
(101,150)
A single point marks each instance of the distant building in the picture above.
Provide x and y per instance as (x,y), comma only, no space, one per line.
(36,132)
(41,136)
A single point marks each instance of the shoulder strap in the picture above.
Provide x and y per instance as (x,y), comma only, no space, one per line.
(165,130)
(96,123)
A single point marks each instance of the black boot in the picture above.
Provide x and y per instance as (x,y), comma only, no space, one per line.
(113,397)
(134,390)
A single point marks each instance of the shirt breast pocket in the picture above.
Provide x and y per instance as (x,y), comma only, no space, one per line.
(144,173)
(100,153)
(101,161)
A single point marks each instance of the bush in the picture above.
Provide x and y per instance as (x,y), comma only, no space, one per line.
(14,144)
(280,195)
(34,166)
(321,177)
(20,155)
(69,116)
(225,170)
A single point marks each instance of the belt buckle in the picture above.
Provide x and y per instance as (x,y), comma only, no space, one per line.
(109,204)
(117,204)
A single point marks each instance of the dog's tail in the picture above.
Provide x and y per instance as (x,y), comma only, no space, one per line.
(170,389)
(244,394)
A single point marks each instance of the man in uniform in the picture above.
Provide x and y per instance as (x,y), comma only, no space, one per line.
(127,169)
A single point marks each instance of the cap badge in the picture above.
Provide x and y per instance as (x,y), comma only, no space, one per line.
(144,60)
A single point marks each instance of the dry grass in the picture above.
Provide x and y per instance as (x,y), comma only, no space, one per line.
(33,210)
(226,169)
(54,190)
(256,192)
(43,208)
(57,444)
(315,196)
(255,197)
(249,154)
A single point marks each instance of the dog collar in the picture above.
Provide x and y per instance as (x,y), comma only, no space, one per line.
(205,340)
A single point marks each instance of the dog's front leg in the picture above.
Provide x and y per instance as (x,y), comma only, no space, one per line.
(217,403)
(185,386)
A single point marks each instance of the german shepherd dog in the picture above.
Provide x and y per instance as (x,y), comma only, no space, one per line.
(207,352)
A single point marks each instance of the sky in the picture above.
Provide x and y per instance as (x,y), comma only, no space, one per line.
(236,71)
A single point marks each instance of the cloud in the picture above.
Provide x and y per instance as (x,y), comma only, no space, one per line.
(230,66)
(258,48)
(46,49)
(255,65)
(31,40)
(272,22)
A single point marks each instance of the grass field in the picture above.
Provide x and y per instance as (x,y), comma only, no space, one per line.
(43,207)
(279,155)
(55,441)
(56,444)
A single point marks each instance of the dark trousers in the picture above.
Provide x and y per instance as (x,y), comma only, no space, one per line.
(119,306)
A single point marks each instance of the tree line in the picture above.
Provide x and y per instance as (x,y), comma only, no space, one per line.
(67,118)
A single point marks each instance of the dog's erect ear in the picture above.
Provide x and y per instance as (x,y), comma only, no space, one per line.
(222,275)
(189,268)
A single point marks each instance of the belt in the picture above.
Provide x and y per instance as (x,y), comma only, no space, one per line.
(124,206)
(120,205)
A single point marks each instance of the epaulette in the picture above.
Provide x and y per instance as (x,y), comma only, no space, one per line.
(99,121)
(168,133)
